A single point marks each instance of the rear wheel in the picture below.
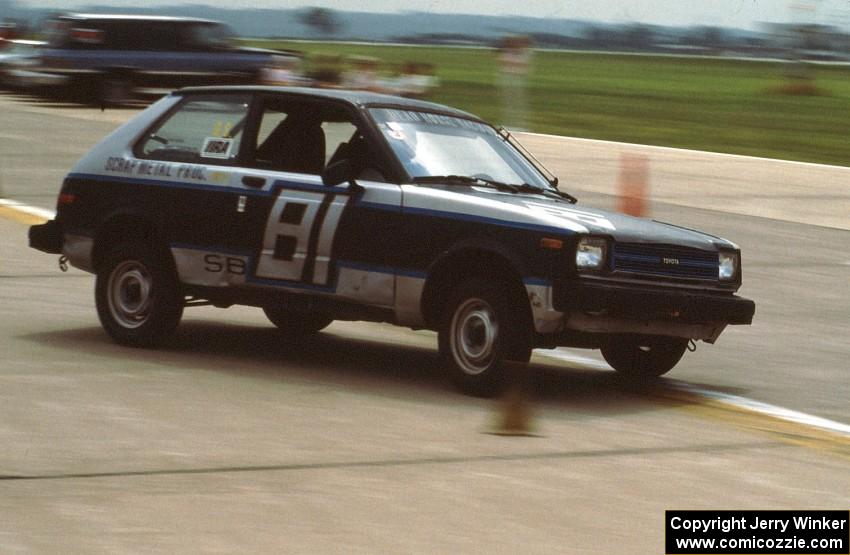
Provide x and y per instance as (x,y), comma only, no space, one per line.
(482,326)
(290,322)
(643,357)
(114,89)
(138,295)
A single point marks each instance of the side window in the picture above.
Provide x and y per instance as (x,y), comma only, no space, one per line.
(271,119)
(124,35)
(301,137)
(203,130)
(145,35)
(338,135)
(204,36)
(290,137)
(166,38)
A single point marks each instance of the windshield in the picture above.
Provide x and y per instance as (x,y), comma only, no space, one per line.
(429,144)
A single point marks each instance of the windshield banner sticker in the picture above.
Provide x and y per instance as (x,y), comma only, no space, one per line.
(406,116)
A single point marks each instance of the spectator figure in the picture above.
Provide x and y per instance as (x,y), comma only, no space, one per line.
(414,80)
(514,56)
(426,75)
(285,72)
(326,72)
(363,75)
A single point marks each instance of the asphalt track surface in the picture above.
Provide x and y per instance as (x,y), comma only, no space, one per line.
(229,441)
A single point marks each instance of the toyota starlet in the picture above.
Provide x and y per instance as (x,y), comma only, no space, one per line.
(322,205)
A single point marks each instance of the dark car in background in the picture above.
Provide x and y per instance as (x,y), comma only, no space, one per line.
(105,58)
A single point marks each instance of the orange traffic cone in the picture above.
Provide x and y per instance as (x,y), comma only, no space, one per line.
(634,184)
(515,415)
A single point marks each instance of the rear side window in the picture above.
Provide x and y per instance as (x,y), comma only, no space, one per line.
(202,130)
(141,35)
(204,36)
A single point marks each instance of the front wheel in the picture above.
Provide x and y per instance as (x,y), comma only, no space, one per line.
(643,358)
(138,295)
(483,326)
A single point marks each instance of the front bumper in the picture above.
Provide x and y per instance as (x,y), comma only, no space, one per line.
(645,303)
(47,237)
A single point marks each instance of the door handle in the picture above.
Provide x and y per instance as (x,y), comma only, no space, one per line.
(252,181)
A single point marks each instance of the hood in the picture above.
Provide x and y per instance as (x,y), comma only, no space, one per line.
(539,211)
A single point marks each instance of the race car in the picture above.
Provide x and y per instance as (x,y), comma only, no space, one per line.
(321,205)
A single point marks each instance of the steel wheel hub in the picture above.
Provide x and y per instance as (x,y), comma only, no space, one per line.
(129,293)
(473,336)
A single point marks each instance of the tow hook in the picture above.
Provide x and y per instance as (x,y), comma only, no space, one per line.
(63,263)
(692,345)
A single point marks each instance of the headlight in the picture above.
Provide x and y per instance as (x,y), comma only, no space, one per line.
(590,253)
(728,265)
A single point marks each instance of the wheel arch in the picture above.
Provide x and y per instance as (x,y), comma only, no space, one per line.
(127,226)
(468,259)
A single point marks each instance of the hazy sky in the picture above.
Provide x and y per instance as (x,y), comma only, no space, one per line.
(727,13)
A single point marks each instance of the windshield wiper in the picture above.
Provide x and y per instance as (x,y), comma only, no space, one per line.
(501,186)
(554,193)
(466,180)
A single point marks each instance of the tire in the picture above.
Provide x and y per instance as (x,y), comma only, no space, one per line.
(473,337)
(114,89)
(294,323)
(138,296)
(643,357)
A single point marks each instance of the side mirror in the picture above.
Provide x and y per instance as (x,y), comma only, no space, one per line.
(338,172)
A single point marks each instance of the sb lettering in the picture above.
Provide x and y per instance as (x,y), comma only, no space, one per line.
(216,263)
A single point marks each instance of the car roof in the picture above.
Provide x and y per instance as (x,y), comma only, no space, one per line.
(126,17)
(359,99)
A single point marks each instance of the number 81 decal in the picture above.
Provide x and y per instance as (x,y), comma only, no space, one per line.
(299,236)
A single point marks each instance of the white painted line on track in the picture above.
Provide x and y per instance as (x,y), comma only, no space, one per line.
(686,151)
(735,401)
(767,409)
(28,209)
(573,358)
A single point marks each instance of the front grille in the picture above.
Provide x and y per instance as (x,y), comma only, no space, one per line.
(664,260)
